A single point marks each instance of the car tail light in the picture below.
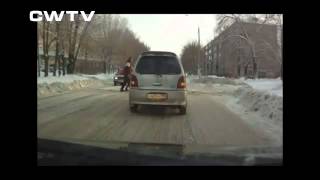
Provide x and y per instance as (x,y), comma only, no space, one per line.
(134,81)
(182,82)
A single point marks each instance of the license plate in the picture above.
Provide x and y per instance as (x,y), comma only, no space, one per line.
(157,97)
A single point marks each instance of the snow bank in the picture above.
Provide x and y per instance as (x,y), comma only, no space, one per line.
(60,79)
(213,85)
(265,110)
(267,105)
(210,88)
(101,76)
(262,96)
(218,80)
(54,84)
(69,78)
(46,89)
(272,86)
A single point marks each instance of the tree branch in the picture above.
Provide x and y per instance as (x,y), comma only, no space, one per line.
(84,31)
(51,41)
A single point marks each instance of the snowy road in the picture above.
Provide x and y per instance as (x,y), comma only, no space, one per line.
(103,114)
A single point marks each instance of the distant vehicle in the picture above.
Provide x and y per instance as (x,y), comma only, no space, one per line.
(118,77)
(158,79)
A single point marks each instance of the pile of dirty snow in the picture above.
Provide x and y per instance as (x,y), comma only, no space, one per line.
(265,110)
(267,105)
(256,101)
(272,86)
(46,89)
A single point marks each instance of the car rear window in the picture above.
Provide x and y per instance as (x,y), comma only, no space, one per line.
(158,65)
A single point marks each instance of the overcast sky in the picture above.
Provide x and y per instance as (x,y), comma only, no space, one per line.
(170,32)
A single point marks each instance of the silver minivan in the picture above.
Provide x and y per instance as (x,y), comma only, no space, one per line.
(158,79)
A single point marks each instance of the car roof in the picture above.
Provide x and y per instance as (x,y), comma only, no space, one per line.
(158,53)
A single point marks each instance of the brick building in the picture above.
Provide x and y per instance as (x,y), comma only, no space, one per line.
(230,55)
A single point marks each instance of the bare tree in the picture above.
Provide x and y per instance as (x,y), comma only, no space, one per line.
(113,39)
(44,47)
(107,44)
(60,48)
(243,35)
(57,48)
(75,41)
(189,56)
(104,37)
(46,43)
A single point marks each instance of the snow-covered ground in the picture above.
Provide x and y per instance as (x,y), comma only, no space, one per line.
(69,78)
(271,86)
(258,102)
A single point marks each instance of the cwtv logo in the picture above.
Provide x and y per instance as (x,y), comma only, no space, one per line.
(39,15)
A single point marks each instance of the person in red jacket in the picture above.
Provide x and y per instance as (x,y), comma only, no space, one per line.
(126,73)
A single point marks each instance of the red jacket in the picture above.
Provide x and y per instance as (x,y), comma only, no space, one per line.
(126,70)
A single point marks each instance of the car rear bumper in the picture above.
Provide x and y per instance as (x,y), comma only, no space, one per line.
(175,97)
(118,80)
